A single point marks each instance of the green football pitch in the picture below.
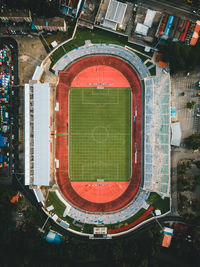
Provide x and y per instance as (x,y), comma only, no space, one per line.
(99,134)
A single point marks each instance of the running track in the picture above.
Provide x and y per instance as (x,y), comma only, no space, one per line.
(69,78)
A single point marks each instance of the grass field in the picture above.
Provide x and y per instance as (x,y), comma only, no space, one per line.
(99,134)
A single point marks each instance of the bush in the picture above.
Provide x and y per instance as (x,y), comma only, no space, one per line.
(190,105)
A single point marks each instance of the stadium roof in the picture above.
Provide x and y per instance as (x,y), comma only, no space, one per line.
(157,135)
(41,133)
(141,29)
(176,134)
(38,194)
(37,73)
(27,132)
(116,11)
(149,17)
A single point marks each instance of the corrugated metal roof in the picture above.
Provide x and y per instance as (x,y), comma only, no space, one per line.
(195,36)
(149,17)
(41,134)
(141,29)
(38,194)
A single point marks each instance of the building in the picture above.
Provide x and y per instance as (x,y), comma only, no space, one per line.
(37,132)
(168,234)
(70,7)
(114,15)
(18,15)
(50,24)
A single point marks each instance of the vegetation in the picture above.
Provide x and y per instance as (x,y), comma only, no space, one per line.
(96,36)
(193,141)
(190,105)
(100,124)
(59,207)
(188,180)
(27,246)
(39,7)
(158,203)
(180,57)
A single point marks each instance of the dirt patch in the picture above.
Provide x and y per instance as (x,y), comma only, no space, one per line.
(31,54)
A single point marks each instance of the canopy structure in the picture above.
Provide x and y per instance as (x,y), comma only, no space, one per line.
(37,73)
(149,17)
(157,134)
(37,127)
(141,29)
(176,134)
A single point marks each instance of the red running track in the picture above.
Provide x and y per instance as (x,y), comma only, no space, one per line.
(67,79)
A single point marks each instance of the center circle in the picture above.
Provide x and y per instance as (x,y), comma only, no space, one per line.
(100,134)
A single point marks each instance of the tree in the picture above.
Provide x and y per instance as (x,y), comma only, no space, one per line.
(191,104)
(193,141)
(180,56)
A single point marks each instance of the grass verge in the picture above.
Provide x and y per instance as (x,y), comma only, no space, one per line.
(158,203)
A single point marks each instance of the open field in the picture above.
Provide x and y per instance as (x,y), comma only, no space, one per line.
(100,134)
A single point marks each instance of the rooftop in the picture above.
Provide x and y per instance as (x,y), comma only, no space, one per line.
(4,12)
(50,22)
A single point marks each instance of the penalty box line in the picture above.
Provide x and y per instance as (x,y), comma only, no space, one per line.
(95,103)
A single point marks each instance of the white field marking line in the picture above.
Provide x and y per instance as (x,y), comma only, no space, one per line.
(104,103)
(92,166)
(101,93)
(90,134)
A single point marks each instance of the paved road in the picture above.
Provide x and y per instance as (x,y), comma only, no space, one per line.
(174,8)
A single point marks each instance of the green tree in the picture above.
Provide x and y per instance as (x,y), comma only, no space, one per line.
(193,141)
(190,105)
(180,56)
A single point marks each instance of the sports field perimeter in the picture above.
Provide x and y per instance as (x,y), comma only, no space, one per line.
(99,134)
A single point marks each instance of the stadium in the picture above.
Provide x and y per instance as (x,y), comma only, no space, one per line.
(97,151)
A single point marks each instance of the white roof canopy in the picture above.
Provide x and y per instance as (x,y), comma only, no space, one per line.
(116,11)
(149,17)
(37,128)
(176,134)
(41,133)
(141,29)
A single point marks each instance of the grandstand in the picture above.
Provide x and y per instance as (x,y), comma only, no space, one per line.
(157,133)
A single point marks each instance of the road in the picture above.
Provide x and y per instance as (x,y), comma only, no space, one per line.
(174,7)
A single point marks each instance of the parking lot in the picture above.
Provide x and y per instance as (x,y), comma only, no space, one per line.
(6,80)
(185,89)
